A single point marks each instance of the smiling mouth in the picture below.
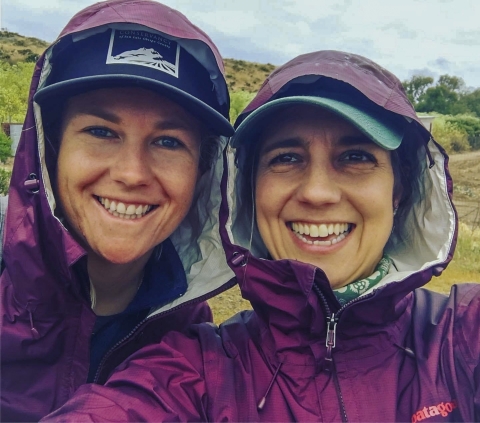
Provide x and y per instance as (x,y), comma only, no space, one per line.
(125,210)
(321,234)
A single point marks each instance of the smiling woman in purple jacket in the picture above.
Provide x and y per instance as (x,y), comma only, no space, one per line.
(111,236)
(337,208)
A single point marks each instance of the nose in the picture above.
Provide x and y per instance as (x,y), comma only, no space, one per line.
(319,187)
(130,165)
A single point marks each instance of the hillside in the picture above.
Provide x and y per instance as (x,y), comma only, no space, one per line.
(246,76)
(241,75)
(16,48)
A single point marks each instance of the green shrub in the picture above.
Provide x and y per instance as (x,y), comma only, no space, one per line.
(5,176)
(470,124)
(449,135)
(5,147)
(238,101)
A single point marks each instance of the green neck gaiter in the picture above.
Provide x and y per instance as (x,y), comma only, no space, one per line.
(354,289)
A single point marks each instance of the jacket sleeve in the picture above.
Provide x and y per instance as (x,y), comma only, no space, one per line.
(163,382)
(467,344)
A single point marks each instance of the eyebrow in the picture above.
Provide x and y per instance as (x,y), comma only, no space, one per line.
(170,123)
(100,113)
(283,143)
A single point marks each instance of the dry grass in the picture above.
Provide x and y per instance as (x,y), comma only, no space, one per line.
(246,76)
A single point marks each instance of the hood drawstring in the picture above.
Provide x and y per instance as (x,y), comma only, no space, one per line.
(430,158)
(35,333)
(261,403)
(407,350)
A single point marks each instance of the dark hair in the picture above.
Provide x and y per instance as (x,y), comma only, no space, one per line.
(409,164)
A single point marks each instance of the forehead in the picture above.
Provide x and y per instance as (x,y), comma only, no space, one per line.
(121,103)
(306,122)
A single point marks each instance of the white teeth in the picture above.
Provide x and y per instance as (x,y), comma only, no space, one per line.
(321,231)
(317,242)
(130,209)
(124,211)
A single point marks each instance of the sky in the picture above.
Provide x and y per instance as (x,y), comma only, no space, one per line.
(408,37)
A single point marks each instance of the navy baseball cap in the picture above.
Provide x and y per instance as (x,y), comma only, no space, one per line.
(141,58)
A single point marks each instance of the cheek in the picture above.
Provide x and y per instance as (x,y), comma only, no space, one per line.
(181,184)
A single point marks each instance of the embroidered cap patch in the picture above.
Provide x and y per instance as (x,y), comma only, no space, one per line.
(144,48)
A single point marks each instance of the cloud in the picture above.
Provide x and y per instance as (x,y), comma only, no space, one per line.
(442,64)
(441,36)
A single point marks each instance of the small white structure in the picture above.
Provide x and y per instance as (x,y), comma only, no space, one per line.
(13,130)
(427,121)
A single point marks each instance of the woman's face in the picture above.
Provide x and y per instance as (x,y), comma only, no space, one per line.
(127,169)
(324,193)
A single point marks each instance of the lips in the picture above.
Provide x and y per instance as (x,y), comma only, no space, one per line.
(323,234)
(125,210)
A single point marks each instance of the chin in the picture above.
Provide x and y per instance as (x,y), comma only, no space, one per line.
(121,256)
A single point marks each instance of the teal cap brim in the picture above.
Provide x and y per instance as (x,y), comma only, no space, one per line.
(385,132)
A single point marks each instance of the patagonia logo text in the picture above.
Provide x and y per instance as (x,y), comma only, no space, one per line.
(443,409)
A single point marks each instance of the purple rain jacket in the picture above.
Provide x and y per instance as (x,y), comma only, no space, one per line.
(397,353)
(45,308)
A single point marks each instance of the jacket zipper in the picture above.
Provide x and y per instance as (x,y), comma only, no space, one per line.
(330,341)
(200,299)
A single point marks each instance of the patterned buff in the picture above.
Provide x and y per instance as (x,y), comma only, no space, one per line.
(355,289)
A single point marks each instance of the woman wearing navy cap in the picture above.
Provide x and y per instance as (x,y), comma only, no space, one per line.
(337,207)
(110,237)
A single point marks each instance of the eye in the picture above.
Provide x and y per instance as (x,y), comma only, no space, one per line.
(285,158)
(357,156)
(168,142)
(100,132)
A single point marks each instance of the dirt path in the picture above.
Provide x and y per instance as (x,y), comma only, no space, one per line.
(454,158)
(465,170)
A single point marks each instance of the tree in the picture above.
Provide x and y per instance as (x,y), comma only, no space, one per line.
(438,99)
(14,85)
(443,97)
(469,102)
(453,83)
(416,87)
(238,102)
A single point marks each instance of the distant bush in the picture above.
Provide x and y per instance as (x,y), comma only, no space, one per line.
(5,147)
(453,138)
(470,124)
(238,102)
(5,176)
(266,68)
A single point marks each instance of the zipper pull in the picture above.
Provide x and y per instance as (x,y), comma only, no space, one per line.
(330,341)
